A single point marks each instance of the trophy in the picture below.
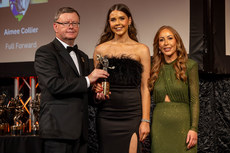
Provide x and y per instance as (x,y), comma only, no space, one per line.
(105,66)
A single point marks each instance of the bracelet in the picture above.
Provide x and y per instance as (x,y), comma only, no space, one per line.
(144,120)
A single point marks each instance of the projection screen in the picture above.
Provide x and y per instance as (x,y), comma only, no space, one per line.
(28,24)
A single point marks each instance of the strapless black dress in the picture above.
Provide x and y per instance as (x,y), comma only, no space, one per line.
(119,117)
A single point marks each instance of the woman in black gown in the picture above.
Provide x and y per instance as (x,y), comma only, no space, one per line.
(123,118)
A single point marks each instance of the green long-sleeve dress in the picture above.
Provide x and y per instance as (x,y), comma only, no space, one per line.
(172,120)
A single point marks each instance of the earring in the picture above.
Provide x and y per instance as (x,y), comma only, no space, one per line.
(159,52)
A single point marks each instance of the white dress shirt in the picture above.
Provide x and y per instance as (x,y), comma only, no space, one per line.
(75,60)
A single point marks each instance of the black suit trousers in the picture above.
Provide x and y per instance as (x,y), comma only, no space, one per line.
(64,146)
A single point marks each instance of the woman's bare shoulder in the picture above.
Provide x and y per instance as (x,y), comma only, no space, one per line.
(102,47)
(143,46)
(142,49)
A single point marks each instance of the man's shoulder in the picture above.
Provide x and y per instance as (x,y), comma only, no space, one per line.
(82,53)
(52,46)
(49,45)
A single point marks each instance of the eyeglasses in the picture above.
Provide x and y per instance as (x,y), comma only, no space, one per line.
(67,24)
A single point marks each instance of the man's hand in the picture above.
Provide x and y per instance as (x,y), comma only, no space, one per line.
(96,74)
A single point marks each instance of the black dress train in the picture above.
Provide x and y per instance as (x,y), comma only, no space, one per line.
(119,117)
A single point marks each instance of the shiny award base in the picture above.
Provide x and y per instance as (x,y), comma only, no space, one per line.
(105,86)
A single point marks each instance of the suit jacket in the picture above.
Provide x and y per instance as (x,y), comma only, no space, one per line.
(64,93)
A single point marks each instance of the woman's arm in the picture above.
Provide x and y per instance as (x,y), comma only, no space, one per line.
(193,81)
(145,61)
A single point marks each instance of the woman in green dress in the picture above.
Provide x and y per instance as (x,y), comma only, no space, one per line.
(175,84)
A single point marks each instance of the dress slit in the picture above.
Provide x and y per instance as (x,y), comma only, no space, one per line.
(134,135)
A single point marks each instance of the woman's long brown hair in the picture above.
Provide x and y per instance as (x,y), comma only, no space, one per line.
(158,58)
(108,34)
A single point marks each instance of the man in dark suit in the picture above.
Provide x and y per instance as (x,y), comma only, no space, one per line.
(64,79)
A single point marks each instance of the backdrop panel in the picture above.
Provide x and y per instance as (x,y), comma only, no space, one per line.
(221,60)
